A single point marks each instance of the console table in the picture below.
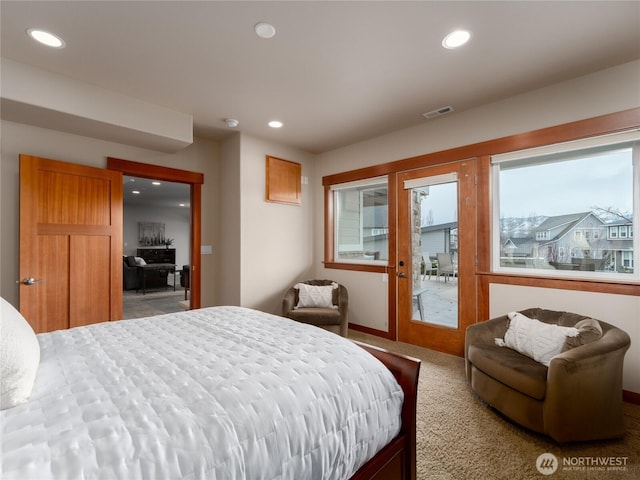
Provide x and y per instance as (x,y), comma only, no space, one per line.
(158,255)
(155,270)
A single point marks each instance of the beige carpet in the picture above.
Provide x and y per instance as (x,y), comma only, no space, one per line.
(461,438)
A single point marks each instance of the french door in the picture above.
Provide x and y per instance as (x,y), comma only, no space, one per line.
(436,255)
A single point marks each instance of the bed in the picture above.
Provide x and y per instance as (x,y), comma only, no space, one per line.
(214,393)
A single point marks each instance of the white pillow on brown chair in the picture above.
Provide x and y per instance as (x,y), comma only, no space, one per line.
(315,296)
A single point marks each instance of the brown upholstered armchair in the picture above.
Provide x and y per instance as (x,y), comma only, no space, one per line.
(578,397)
(333,319)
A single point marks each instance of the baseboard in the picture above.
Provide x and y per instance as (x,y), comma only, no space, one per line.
(371,331)
(631,397)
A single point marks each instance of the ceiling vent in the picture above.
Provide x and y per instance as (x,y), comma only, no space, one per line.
(438,112)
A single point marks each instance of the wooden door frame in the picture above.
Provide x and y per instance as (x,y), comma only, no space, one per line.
(444,339)
(195,181)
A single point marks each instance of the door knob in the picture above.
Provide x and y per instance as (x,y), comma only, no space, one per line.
(402,275)
(28,281)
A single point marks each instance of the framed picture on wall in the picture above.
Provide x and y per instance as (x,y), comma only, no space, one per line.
(150,234)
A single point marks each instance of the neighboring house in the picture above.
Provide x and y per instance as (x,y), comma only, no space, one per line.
(620,240)
(578,241)
(518,251)
(441,238)
(433,239)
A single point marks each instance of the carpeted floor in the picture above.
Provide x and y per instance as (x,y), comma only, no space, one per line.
(461,438)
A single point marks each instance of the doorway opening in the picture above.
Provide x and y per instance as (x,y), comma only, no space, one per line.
(193,181)
(156,246)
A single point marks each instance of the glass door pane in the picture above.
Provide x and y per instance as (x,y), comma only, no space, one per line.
(434,246)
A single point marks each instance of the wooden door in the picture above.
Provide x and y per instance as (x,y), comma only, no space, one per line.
(436,255)
(70,244)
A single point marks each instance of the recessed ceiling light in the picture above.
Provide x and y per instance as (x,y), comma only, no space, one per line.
(46,38)
(456,39)
(156,183)
(231,122)
(265,30)
(182,204)
(135,192)
(275,124)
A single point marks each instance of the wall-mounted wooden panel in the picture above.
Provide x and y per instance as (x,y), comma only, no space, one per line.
(284,181)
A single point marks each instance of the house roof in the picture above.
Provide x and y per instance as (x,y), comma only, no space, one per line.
(561,220)
(519,242)
(335,73)
(565,222)
(440,226)
(619,222)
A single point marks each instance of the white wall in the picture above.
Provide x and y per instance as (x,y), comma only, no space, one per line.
(176,223)
(264,247)
(48,100)
(201,156)
(277,240)
(603,92)
(227,250)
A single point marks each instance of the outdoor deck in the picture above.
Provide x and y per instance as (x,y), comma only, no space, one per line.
(439,301)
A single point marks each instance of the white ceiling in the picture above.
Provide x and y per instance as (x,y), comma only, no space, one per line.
(336,72)
(162,194)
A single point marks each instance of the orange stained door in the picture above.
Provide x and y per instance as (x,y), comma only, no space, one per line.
(70,244)
(436,255)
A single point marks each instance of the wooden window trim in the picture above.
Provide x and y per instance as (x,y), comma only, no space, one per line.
(601,125)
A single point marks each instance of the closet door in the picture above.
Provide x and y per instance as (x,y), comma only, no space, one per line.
(70,244)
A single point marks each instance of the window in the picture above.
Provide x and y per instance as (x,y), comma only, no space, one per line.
(361,221)
(569,208)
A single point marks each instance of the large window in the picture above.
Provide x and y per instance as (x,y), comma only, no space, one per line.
(361,221)
(569,209)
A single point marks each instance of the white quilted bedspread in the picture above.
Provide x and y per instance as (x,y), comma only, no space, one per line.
(217,393)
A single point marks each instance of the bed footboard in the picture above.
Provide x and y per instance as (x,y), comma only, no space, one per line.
(396,461)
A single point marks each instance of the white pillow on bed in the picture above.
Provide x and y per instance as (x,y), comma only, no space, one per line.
(19,356)
(315,296)
(535,339)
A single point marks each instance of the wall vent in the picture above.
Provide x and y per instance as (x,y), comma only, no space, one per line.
(438,112)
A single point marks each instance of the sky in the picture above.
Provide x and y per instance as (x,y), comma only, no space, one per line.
(555,188)
(558,188)
(442,202)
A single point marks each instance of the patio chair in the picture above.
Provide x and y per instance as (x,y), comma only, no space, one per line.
(446,267)
(430,266)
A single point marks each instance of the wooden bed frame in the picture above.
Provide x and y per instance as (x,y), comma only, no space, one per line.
(396,461)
